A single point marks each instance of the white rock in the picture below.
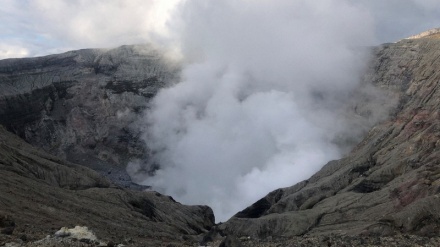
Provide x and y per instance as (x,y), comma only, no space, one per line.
(79,232)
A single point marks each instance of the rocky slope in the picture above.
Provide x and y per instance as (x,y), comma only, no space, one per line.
(390,183)
(81,105)
(40,193)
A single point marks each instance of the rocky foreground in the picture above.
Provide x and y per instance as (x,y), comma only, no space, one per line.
(40,194)
(385,192)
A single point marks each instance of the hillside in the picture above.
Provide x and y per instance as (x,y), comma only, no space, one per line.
(81,105)
(389,183)
(40,193)
(72,130)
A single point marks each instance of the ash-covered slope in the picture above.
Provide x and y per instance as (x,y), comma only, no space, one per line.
(81,105)
(40,193)
(389,183)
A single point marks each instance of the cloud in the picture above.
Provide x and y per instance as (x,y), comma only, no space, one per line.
(7,51)
(51,26)
(397,19)
(47,26)
(261,100)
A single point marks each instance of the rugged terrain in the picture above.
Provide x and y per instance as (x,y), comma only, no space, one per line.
(390,183)
(81,105)
(40,193)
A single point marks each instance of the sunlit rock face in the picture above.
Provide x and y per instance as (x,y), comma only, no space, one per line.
(81,105)
(389,183)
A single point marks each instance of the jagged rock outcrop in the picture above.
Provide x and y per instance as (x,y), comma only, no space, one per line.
(389,183)
(40,193)
(81,105)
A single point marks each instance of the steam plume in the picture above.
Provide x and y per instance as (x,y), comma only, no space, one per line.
(260,101)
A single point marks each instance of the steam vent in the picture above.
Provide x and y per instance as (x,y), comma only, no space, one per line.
(73,155)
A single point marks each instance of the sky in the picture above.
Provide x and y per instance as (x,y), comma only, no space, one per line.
(265,85)
(41,27)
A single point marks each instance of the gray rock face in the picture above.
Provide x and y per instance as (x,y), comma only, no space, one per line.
(81,105)
(40,193)
(389,183)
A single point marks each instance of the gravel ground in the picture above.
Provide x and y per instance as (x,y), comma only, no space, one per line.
(340,241)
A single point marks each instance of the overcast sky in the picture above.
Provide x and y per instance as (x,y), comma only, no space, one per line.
(40,27)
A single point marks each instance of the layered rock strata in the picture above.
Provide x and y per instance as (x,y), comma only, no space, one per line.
(82,105)
(389,183)
(40,193)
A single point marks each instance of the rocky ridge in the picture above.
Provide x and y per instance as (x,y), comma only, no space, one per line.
(429,33)
(81,105)
(384,192)
(389,184)
(40,194)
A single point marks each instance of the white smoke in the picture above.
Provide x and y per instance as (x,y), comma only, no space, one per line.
(259,106)
(260,101)
(41,27)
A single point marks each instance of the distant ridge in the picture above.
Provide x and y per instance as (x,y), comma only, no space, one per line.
(431,32)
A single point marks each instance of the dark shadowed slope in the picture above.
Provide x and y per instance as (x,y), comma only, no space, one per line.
(389,183)
(40,193)
(81,105)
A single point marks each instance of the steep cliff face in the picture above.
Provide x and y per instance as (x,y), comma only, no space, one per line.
(80,105)
(40,193)
(390,182)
